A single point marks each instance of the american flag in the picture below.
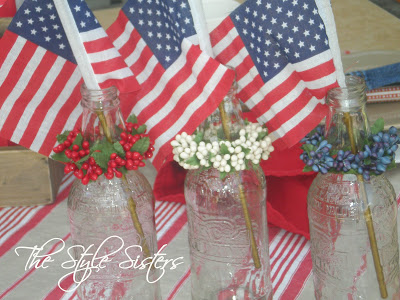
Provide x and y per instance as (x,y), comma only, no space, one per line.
(180,85)
(39,79)
(284,66)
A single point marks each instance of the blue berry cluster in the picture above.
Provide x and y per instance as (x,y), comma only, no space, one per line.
(376,157)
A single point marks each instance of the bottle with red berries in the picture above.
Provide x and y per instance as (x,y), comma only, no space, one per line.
(111,204)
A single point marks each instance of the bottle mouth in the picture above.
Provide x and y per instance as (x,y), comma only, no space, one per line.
(98,95)
(351,96)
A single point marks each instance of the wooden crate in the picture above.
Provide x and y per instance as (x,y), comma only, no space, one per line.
(28,178)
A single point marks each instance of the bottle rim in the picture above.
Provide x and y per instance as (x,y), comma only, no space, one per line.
(105,94)
(352,95)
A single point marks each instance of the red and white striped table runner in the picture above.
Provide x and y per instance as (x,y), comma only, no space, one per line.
(28,226)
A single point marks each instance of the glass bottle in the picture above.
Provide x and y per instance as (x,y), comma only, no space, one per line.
(102,212)
(347,212)
(229,257)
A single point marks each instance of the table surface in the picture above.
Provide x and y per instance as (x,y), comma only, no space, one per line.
(28,226)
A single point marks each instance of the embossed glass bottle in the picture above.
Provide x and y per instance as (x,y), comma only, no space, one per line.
(104,219)
(225,263)
(347,212)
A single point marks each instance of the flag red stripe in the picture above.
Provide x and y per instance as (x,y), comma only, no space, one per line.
(302,129)
(195,119)
(173,84)
(141,63)
(318,72)
(151,81)
(108,66)
(11,38)
(231,51)
(38,115)
(16,71)
(178,286)
(32,88)
(221,31)
(60,121)
(98,45)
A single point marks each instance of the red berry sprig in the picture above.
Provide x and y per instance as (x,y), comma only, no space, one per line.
(134,147)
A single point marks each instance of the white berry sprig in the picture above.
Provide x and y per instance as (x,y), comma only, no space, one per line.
(253,144)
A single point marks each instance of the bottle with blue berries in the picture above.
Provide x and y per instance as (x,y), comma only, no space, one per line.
(353,211)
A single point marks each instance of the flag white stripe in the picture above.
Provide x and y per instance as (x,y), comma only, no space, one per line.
(135,55)
(21,85)
(124,37)
(37,99)
(160,86)
(196,103)
(247,79)
(177,95)
(11,58)
(103,56)
(321,82)
(92,35)
(115,74)
(238,58)
(296,119)
(55,108)
(147,71)
(284,102)
(225,42)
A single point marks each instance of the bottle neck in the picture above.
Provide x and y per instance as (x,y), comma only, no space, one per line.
(226,121)
(101,114)
(347,122)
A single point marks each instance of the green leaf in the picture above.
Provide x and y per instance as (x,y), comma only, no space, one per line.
(246,122)
(224,149)
(367,161)
(222,175)
(78,140)
(80,162)
(193,161)
(61,138)
(119,149)
(101,159)
(377,126)
(105,147)
(141,145)
(262,135)
(307,169)
(60,157)
(246,150)
(199,137)
(308,147)
(123,170)
(132,119)
(392,165)
(141,129)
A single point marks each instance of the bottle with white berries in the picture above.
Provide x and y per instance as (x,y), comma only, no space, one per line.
(111,211)
(225,191)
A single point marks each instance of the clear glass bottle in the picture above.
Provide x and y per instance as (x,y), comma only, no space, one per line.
(346,212)
(102,212)
(228,252)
